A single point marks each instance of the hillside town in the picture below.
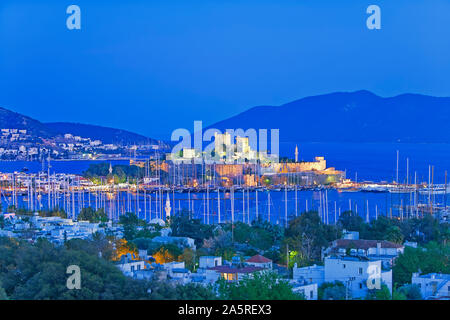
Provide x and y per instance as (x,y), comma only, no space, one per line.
(20,144)
(183,223)
(347,267)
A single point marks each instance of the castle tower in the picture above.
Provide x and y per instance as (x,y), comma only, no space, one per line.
(222,143)
(296,153)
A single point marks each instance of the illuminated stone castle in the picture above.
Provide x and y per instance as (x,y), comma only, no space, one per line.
(228,163)
(224,151)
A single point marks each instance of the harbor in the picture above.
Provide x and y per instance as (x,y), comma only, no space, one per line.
(212,202)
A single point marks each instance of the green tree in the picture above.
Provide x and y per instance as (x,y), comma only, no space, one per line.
(3,295)
(173,249)
(220,242)
(89,214)
(351,222)
(307,235)
(254,235)
(411,292)
(182,226)
(162,290)
(397,294)
(188,256)
(43,273)
(130,222)
(332,291)
(226,253)
(146,244)
(100,245)
(273,254)
(394,234)
(56,212)
(265,286)
(430,229)
(428,259)
(121,173)
(377,229)
(379,294)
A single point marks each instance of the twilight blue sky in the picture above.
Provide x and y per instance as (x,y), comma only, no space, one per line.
(153,66)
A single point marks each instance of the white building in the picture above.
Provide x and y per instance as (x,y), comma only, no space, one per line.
(231,273)
(189,153)
(356,273)
(385,251)
(180,275)
(242,145)
(311,274)
(128,266)
(309,290)
(433,285)
(169,266)
(180,241)
(259,261)
(206,262)
(222,142)
(350,235)
(143,254)
(359,274)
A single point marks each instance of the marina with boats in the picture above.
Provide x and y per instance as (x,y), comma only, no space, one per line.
(212,198)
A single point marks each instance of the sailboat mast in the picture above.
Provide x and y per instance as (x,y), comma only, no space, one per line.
(243,205)
(407,171)
(396,176)
(189,201)
(232,205)
(445,190)
(218,205)
(367,211)
(256,196)
(335,213)
(285,207)
(207,203)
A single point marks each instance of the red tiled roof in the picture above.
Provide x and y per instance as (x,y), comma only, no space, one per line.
(364,244)
(227,269)
(258,259)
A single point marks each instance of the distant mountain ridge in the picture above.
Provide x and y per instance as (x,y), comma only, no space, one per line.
(359,116)
(13,120)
